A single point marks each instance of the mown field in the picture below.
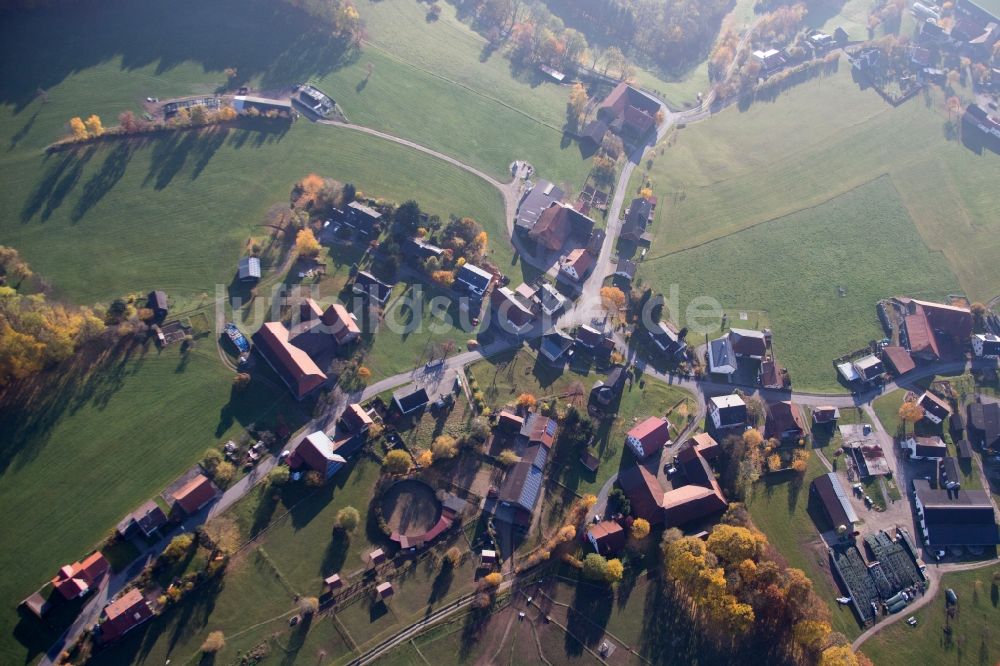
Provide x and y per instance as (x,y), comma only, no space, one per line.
(791,267)
(974,638)
(90,451)
(815,142)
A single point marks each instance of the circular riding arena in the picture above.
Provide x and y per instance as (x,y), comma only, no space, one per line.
(410,508)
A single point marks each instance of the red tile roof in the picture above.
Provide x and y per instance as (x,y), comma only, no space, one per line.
(294,365)
(644,493)
(75,579)
(899,358)
(706,445)
(920,335)
(782,417)
(344,328)
(651,434)
(609,535)
(124,613)
(579,260)
(953,320)
(356,417)
(195,494)
(557,223)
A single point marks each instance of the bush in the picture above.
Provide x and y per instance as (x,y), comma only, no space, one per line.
(308,605)
(278,476)
(348,519)
(398,461)
(444,447)
(214,642)
(595,567)
(314,479)
(225,471)
(453,557)
(178,546)
(507,457)
(492,580)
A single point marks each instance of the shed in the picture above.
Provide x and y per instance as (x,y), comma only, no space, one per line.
(376,556)
(249,269)
(384,590)
(333,582)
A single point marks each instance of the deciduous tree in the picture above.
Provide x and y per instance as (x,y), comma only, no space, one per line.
(615,571)
(444,447)
(639,529)
(214,642)
(348,519)
(306,244)
(595,567)
(398,461)
(425,458)
(78,128)
(507,457)
(94,126)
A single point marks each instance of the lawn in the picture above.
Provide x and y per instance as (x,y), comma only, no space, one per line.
(887,409)
(791,268)
(779,506)
(974,638)
(77,461)
(418,319)
(503,377)
(745,168)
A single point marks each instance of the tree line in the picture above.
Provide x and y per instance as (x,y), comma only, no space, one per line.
(739,593)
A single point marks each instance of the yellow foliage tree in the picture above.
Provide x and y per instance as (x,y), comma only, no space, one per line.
(910,412)
(77,127)
(615,571)
(752,438)
(640,529)
(364,373)
(306,244)
(811,634)
(734,544)
(612,298)
(482,238)
(398,461)
(646,192)
(94,126)
(566,533)
(773,462)
(527,400)
(444,447)
(215,641)
(839,655)
(443,278)
(493,579)
(578,100)
(425,458)
(588,501)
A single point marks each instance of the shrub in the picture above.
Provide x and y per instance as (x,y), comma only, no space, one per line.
(453,556)
(398,461)
(314,479)
(278,476)
(444,447)
(178,546)
(493,580)
(640,529)
(225,471)
(348,519)
(595,567)
(214,642)
(308,605)
(615,571)
(507,457)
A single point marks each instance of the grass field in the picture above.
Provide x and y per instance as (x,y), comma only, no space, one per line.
(887,409)
(73,466)
(744,168)
(791,267)
(974,638)
(780,508)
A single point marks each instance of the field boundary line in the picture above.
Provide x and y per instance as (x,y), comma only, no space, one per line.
(783,216)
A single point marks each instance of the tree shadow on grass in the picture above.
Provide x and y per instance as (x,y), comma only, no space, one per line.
(336,553)
(587,617)
(273,41)
(103,181)
(31,408)
(59,180)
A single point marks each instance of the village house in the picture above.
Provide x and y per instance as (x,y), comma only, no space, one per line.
(626,111)
(648,437)
(473,279)
(984,425)
(535,201)
(771,60)
(509,422)
(727,411)
(825,414)
(512,315)
(936,410)
(355,419)
(869,368)
(292,353)
(550,300)
(836,503)
(950,517)
(517,496)
(249,269)
(147,519)
(625,269)
(898,359)
(784,421)
(366,284)
(605,393)
(706,445)
(640,214)
(156,301)
(410,400)
(700,498)
(986,345)
(593,341)
(317,452)
(644,492)
(771,375)
(123,615)
(724,352)
(194,495)
(933,328)
(75,580)
(663,336)
(925,448)
(555,344)
(364,220)
(420,249)
(560,223)
(606,537)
